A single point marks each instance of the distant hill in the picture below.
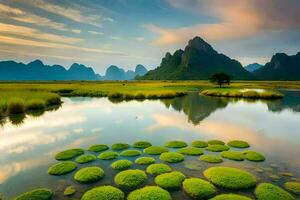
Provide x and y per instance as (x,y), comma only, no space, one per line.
(115,73)
(252,67)
(281,67)
(197,61)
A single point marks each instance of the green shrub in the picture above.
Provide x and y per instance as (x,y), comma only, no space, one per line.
(176,144)
(198,188)
(62,168)
(144,161)
(254,156)
(157,169)
(238,144)
(130,153)
(149,193)
(69,154)
(171,180)
(217,148)
(230,178)
(130,179)
(104,193)
(120,146)
(214,142)
(155,150)
(293,187)
(199,144)
(35,104)
(89,174)
(172,157)
(267,191)
(211,159)
(37,194)
(16,106)
(108,155)
(233,155)
(98,147)
(193,151)
(85,158)
(121,164)
(230,197)
(142,144)
(69,191)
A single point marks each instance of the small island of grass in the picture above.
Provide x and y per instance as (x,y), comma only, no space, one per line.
(37,194)
(157,169)
(104,193)
(172,180)
(130,179)
(149,192)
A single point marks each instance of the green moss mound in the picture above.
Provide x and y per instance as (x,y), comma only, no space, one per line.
(210,159)
(120,146)
(104,193)
(85,158)
(142,144)
(230,178)
(69,191)
(157,169)
(238,144)
(217,148)
(149,193)
(293,187)
(192,151)
(69,154)
(199,144)
(98,147)
(176,144)
(144,161)
(172,157)
(37,194)
(108,155)
(89,174)
(230,197)
(121,164)
(198,188)
(267,191)
(130,179)
(254,156)
(62,168)
(213,142)
(130,153)
(155,150)
(172,180)
(233,155)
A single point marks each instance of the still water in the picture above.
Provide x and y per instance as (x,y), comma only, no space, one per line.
(28,144)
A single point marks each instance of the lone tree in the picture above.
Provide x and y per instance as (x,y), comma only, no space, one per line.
(220,79)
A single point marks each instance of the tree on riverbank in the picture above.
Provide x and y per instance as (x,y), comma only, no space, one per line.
(220,79)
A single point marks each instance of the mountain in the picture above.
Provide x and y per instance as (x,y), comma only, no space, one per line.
(252,67)
(281,67)
(197,61)
(115,73)
(140,70)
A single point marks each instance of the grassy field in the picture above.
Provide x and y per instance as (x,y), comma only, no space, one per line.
(18,97)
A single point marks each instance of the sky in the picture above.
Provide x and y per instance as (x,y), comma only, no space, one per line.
(100,33)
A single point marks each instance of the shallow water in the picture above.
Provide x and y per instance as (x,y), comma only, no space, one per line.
(28,145)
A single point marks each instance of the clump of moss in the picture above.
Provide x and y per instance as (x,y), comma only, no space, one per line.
(230,178)
(62,168)
(213,142)
(69,191)
(193,151)
(233,155)
(98,147)
(37,194)
(238,144)
(155,150)
(142,144)
(130,153)
(230,197)
(104,193)
(69,154)
(121,164)
(89,174)
(211,159)
(267,191)
(172,157)
(254,156)
(130,179)
(157,169)
(120,146)
(176,144)
(149,193)
(217,148)
(16,106)
(85,158)
(199,144)
(293,187)
(172,180)
(144,161)
(198,188)
(108,155)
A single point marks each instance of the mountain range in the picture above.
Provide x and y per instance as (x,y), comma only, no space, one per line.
(252,67)
(115,73)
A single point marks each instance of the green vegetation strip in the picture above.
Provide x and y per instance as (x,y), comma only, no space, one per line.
(37,194)
(267,191)
(149,193)
(130,179)
(172,180)
(198,188)
(104,193)
(62,168)
(89,174)
(69,154)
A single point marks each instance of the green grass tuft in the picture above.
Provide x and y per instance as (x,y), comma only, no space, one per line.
(98,147)
(69,191)
(171,180)
(230,197)
(120,146)
(108,155)
(238,144)
(130,153)
(233,155)
(69,154)
(176,144)
(293,187)
(198,188)
(267,191)
(37,194)
(157,169)
(85,158)
(217,148)
(144,161)
(214,142)
(254,156)
(172,157)
(121,164)
(193,151)
(62,168)
(130,179)
(149,193)
(141,144)
(211,159)
(155,150)
(104,193)
(199,144)
(89,175)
